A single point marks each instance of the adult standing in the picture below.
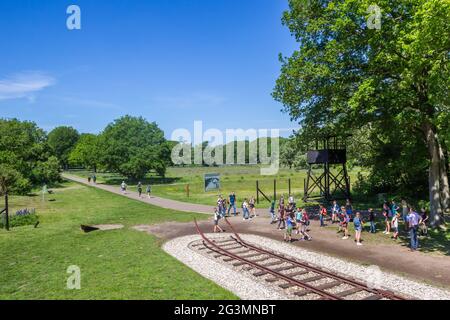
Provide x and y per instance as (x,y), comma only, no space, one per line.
(413,222)
(232,199)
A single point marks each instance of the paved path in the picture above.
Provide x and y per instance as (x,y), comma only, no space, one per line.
(156,201)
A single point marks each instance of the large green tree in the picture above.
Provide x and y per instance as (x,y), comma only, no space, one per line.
(86,152)
(351,71)
(133,146)
(25,157)
(62,140)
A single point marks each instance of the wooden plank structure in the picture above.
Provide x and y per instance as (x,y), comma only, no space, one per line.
(329,153)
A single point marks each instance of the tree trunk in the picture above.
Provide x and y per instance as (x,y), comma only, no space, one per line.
(445,190)
(437,184)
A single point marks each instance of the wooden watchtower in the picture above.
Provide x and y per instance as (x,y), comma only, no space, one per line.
(329,155)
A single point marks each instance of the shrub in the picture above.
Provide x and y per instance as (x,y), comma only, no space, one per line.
(23,217)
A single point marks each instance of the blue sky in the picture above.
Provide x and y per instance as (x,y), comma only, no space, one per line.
(172,62)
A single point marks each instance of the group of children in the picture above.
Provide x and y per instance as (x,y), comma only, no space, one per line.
(294,220)
(291,219)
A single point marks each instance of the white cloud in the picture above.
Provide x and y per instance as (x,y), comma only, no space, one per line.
(24,85)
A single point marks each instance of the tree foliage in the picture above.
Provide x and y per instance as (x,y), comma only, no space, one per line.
(62,140)
(346,75)
(86,152)
(25,157)
(132,146)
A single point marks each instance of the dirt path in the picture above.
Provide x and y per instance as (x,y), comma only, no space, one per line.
(394,258)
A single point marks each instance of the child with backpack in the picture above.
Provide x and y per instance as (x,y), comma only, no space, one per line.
(322,215)
(358,225)
(290,223)
(304,222)
(344,224)
(217,216)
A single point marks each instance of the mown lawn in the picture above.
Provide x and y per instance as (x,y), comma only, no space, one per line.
(120,264)
(240,179)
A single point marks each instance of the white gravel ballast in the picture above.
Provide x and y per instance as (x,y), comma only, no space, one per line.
(246,287)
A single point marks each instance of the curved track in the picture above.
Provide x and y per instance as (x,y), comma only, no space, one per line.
(276,268)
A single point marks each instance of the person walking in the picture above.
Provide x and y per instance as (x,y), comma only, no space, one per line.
(220,205)
(252,207)
(289,227)
(423,225)
(345,221)
(334,212)
(217,228)
(149,191)
(413,222)
(373,228)
(358,225)
(139,187)
(349,209)
(272,212)
(245,211)
(89,179)
(304,223)
(232,199)
(281,213)
(386,214)
(94,179)
(395,225)
(123,187)
(322,215)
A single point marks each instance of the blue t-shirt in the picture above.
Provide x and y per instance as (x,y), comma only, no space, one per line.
(232,199)
(289,222)
(357,223)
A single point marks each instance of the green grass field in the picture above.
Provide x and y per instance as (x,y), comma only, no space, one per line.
(120,264)
(240,179)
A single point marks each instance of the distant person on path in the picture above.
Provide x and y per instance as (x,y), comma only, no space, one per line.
(334,212)
(373,228)
(217,228)
(89,179)
(413,222)
(358,225)
(94,179)
(123,187)
(232,199)
(149,191)
(139,187)
(272,212)
(322,215)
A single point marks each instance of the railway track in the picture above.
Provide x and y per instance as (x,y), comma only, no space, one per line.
(300,279)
